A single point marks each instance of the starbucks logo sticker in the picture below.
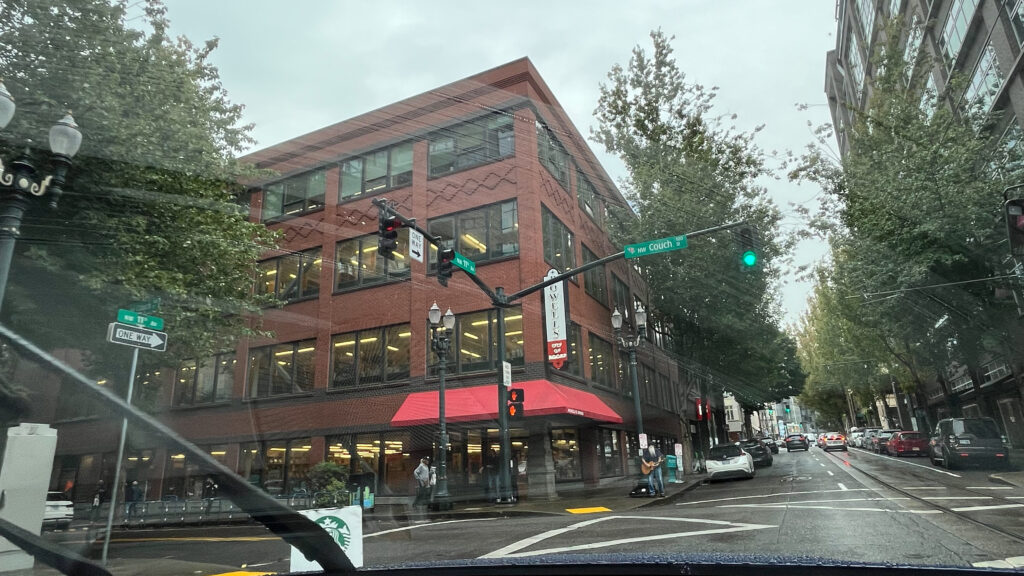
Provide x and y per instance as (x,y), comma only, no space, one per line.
(337,528)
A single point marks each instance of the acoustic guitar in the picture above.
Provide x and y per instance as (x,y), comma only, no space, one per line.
(648,467)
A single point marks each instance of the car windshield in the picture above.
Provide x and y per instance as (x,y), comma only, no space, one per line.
(976,428)
(330,286)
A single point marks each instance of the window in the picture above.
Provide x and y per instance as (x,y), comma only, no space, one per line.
(574,363)
(856,67)
(910,52)
(559,251)
(376,171)
(961,384)
(894,8)
(595,280)
(1015,12)
(281,369)
(553,155)
(928,102)
(1009,148)
(357,263)
(474,342)
(588,199)
(730,412)
(866,10)
(994,371)
(211,381)
(565,452)
(609,452)
(955,29)
(487,233)
(985,82)
(292,276)
(471,144)
(600,356)
(294,195)
(622,299)
(370,357)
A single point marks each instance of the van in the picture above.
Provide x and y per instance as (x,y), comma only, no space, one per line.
(959,441)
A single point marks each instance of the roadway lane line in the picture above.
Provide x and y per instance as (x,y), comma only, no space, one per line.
(844,508)
(830,473)
(976,508)
(771,495)
(1013,497)
(989,488)
(925,488)
(890,458)
(423,526)
(955,497)
(842,487)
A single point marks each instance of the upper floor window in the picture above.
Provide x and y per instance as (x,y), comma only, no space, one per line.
(601,361)
(961,12)
(559,251)
(574,363)
(894,8)
(376,171)
(914,39)
(294,195)
(210,381)
(856,66)
(292,276)
(1015,12)
(994,371)
(482,234)
(370,356)
(589,202)
(928,103)
(474,342)
(866,10)
(357,263)
(620,294)
(985,82)
(281,369)
(472,143)
(553,155)
(595,280)
(961,384)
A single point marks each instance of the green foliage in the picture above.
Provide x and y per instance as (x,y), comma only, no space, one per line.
(152,207)
(689,171)
(327,481)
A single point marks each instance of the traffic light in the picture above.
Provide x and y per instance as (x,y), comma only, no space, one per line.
(1014,211)
(387,230)
(516,395)
(749,251)
(771,412)
(787,408)
(444,265)
(515,409)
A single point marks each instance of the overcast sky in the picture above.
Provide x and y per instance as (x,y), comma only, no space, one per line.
(301,65)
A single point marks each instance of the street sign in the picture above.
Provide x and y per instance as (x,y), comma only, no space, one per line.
(130,317)
(138,337)
(145,306)
(465,263)
(506,374)
(655,246)
(415,245)
(643,441)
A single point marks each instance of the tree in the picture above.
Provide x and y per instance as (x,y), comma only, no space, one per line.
(153,207)
(687,171)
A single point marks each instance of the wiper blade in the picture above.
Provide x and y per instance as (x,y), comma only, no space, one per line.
(48,553)
(294,528)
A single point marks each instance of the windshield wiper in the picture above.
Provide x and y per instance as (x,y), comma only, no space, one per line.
(294,528)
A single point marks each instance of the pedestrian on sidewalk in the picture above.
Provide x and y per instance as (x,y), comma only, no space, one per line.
(97,500)
(422,476)
(653,457)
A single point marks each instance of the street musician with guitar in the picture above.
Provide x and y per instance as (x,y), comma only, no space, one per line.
(650,465)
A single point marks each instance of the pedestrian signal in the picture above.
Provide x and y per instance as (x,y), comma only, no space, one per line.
(515,409)
(515,395)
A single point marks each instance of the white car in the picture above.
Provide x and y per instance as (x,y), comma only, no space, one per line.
(729,461)
(59,510)
(854,439)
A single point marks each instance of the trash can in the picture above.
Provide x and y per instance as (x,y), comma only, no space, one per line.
(670,460)
(363,486)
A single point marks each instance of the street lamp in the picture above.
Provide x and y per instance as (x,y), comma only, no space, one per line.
(440,342)
(630,343)
(19,184)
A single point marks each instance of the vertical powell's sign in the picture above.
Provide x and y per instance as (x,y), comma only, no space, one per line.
(556,321)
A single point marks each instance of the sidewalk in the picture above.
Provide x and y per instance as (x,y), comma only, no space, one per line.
(1015,476)
(613,496)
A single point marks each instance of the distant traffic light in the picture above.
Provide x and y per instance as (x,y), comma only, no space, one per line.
(387,230)
(749,249)
(787,408)
(444,265)
(515,409)
(1014,211)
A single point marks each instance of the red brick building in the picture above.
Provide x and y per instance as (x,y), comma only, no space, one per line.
(493,165)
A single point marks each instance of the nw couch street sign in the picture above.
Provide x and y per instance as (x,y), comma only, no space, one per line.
(655,246)
(138,337)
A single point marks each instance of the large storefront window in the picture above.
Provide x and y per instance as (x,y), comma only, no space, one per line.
(565,452)
(475,342)
(287,463)
(250,463)
(609,453)
(370,356)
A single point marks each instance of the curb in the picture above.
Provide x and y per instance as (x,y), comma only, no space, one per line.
(997,479)
(673,497)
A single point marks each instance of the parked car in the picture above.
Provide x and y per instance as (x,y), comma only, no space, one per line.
(59,510)
(869,434)
(820,441)
(833,441)
(854,439)
(959,441)
(772,445)
(797,442)
(729,461)
(761,454)
(915,443)
(880,441)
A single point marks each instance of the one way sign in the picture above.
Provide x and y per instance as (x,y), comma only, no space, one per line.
(134,336)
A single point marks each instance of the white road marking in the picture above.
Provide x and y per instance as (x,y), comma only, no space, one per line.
(512,550)
(772,495)
(890,458)
(925,488)
(821,464)
(830,473)
(996,507)
(956,497)
(1014,562)
(842,487)
(989,488)
(844,508)
(1014,497)
(423,526)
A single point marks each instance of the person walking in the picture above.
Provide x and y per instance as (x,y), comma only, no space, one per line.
(422,476)
(97,500)
(209,493)
(653,458)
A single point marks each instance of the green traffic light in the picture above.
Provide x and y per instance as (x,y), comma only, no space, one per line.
(749,258)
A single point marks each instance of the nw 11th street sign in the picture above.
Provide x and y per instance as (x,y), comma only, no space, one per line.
(465,263)
(130,317)
(655,246)
(138,337)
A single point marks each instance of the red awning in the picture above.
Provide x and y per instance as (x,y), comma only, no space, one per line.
(543,398)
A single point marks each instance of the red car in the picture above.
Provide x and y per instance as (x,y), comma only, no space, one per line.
(915,443)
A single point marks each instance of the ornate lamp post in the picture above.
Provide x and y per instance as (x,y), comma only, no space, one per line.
(440,342)
(631,343)
(23,181)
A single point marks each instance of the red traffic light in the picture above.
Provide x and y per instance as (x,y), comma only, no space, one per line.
(390,224)
(515,395)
